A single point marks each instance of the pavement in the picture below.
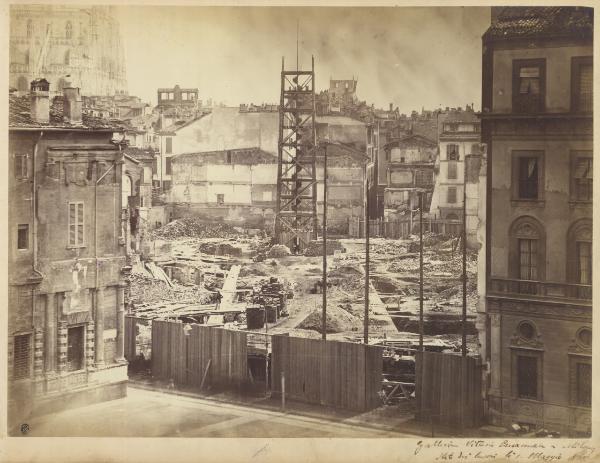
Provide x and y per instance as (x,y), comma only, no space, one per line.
(148,413)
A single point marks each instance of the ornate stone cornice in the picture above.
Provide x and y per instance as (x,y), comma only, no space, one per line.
(547,309)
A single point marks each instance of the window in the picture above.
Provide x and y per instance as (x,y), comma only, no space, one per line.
(23,236)
(528,258)
(451,195)
(220,199)
(69,30)
(529,85)
(76,221)
(402,159)
(169,145)
(584,384)
(528,175)
(67,56)
(21,166)
(75,348)
(29,28)
(424,177)
(528,178)
(526,331)
(584,338)
(228,157)
(582,84)
(582,176)
(166,185)
(584,262)
(527,377)
(451,170)
(168,166)
(452,152)
(184,96)
(171,96)
(527,253)
(22,356)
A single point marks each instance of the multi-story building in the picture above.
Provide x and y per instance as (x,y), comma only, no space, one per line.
(342,95)
(410,162)
(459,137)
(177,99)
(56,41)
(66,256)
(537,125)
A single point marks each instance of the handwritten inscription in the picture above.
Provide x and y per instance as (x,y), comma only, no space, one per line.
(547,450)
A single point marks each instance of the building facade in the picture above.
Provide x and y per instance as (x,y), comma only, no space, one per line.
(410,162)
(67,255)
(459,137)
(537,125)
(56,41)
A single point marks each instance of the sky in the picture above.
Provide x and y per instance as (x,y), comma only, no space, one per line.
(411,57)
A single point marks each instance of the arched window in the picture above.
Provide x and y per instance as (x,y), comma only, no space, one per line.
(579,252)
(29,28)
(527,256)
(69,30)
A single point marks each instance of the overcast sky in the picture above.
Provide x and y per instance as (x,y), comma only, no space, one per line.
(412,57)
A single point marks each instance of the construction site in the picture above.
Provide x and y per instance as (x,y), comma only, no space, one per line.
(341,321)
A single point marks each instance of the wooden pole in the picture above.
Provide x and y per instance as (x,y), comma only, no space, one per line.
(366,317)
(282,390)
(421,271)
(324,314)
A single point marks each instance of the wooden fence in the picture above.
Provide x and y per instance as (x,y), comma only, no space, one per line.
(401,229)
(137,337)
(338,374)
(448,389)
(205,356)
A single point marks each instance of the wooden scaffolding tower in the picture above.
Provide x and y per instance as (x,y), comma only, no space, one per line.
(296,213)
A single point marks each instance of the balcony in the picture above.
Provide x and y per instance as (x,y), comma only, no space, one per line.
(529,289)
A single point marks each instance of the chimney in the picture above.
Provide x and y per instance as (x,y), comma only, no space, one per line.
(391,107)
(72,104)
(40,101)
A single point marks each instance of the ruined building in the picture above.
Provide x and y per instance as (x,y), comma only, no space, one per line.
(56,41)
(536,121)
(66,255)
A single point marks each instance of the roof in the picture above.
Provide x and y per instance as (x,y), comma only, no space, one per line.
(411,138)
(180,124)
(248,156)
(338,120)
(517,22)
(139,153)
(459,116)
(19,117)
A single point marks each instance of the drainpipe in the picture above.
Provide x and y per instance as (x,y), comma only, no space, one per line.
(96,216)
(34,207)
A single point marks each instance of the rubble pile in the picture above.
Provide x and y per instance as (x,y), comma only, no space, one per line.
(190,227)
(144,290)
(315,248)
(278,250)
(220,249)
(338,320)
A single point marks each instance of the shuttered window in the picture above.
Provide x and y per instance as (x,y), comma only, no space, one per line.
(451,170)
(76,224)
(582,84)
(451,195)
(584,262)
(22,357)
(21,166)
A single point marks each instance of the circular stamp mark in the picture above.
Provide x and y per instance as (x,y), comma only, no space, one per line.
(24,428)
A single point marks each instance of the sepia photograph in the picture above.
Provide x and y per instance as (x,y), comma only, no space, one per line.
(300,222)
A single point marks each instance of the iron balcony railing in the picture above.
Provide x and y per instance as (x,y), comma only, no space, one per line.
(546,289)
